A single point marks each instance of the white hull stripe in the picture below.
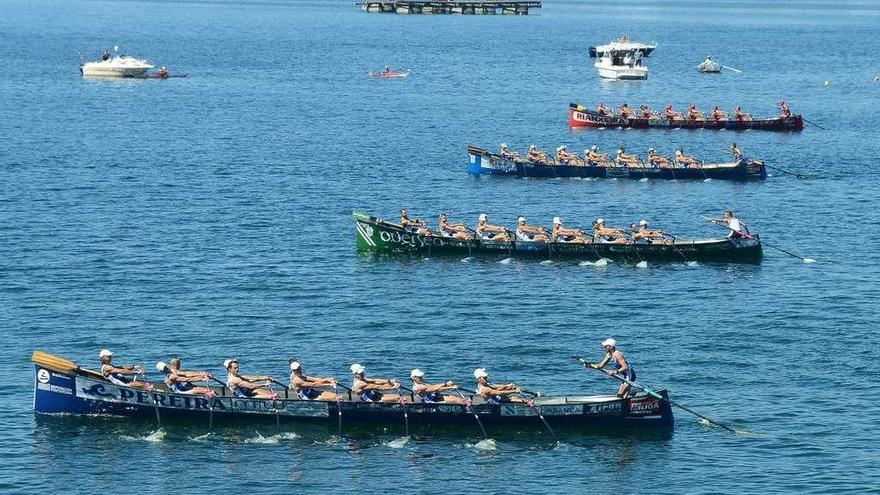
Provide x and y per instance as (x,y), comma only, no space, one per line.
(364,235)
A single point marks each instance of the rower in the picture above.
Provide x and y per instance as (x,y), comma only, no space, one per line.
(737,153)
(369,389)
(718,114)
(646,112)
(431,394)
(634,234)
(535,156)
(244,386)
(606,235)
(562,234)
(117,374)
(626,112)
(533,233)
(602,109)
(694,114)
(491,232)
(786,112)
(305,386)
(411,225)
(181,382)
(615,358)
(737,228)
(658,160)
(495,394)
(593,157)
(507,154)
(671,114)
(386,70)
(454,230)
(685,161)
(162,73)
(623,159)
(647,234)
(738,113)
(564,157)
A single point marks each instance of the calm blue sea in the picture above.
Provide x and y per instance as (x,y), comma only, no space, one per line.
(209,216)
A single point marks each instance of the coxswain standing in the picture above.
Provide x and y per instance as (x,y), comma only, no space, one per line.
(117,374)
(786,112)
(491,232)
(431,394)
(369,389)
(737,153)
(306,386)
(525,232)
(622,368)
(495,394)
(181,382)
(737,228)
(454,230)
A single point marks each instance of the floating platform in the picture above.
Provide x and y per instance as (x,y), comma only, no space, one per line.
(506,7)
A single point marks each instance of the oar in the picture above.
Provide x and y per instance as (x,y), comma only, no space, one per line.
(799,176)
(211,416)
(673,237)
(338,409)
(731,68)
(468,407)
(652,393)
(809,122)
(531,404)
(744,234)
(402,401)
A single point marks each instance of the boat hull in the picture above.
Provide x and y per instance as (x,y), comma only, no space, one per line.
(622,73)
(69,393)
(378,236)
(579,117)
(482,162)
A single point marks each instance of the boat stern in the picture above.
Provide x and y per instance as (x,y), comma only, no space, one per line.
(55,392)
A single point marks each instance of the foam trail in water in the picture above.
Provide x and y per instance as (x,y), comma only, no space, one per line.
(156,436)
(487,444)
(201,438)
(692,263)
(642,264)
(643,179)
(397,443)
(467,260)
(506,261)
(707,180)
(546,262)
(273,438)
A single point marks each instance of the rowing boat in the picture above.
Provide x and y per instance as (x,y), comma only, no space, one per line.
(580,117)
(486,162)
(380,236)
(61,387)
(391,74)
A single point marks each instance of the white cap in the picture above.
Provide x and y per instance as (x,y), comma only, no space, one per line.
(105,352)
(619,150)
(480,373)
(521,219)
(609,343)
(677,152)
(643,223)
(294,365)
(483,217)
(556,220)
(562,147)
(532,147)
(357,369)
(228,362)
(503,145)
(594,148)
(161,366)
(600,220)
(416,373)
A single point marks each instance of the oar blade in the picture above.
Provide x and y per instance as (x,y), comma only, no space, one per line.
(809,260)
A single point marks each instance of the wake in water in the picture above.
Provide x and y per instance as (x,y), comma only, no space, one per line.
(397,443)
(598,263)
(642,264)
(506,261)
(467,260)
(156,436)
(546,262)
(273,439)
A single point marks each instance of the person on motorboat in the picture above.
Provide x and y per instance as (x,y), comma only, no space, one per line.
(495,394)
(718,114)
(119,375)
(431,394)
(614,357)
(454,230)
(671,114)
(535,156)
(658,160)
(181,382)
(685,161)
(253,386)
(623,159)
(411,225)
(602,109)
(306,387)
(506,153)
(737,228)
(694,114)
(738,113)
(562,234)
(606,235)
(626,112)
(491,232)
(369,389)
(785,111)
(525,232)
(564,157)
(737,153)
(593,157)
(105,55)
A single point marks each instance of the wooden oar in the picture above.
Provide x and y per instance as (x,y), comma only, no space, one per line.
(531,404)
(749,236)
(468,405)
(402,401)
(651,392)
(799,176)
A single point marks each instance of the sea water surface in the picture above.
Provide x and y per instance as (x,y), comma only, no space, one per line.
(209,216)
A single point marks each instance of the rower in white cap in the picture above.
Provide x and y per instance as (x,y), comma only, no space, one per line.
(491,232)
(369,389)
(305,386)
(596,159)
(181,382)
(656,160)
(431,394)
(506,153)
(563,157)
(536,156)
(562,234)
(495,394)
(624,159)
(531,233)
(247,386)
(622,368)
(647,234)
(604,234)
(119,375)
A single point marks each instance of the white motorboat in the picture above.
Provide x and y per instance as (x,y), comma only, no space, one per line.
(618,64)
(116,66)
(709,66)
(622,43)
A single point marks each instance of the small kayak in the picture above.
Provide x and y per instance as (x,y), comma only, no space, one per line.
(389,74)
